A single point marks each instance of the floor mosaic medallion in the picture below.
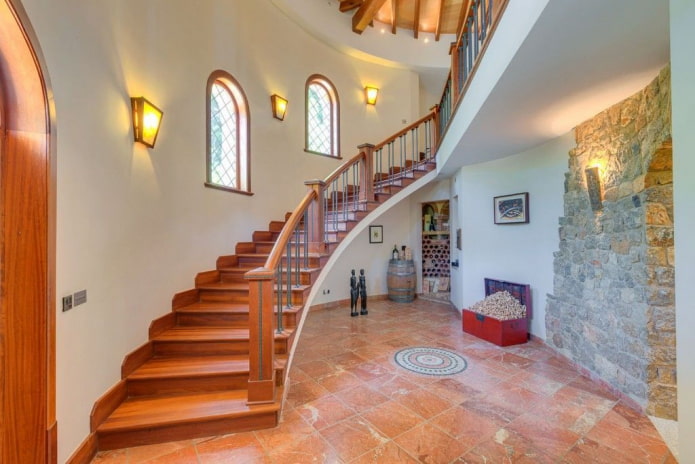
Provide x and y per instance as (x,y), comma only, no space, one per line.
(430,361)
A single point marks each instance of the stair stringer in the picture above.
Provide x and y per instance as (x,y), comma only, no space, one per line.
(344,244)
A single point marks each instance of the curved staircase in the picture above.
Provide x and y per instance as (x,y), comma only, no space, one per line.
(193,377)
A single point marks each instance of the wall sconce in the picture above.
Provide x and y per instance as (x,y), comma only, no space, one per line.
(147,119)
(371,93)
(279,105)
(593,186)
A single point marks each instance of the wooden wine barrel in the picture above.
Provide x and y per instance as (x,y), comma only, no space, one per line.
(400,280)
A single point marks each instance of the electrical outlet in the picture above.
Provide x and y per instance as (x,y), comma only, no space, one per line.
(67,302)
(80,297)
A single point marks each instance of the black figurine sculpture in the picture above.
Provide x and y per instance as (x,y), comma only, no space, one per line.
(354,293)
(363,293)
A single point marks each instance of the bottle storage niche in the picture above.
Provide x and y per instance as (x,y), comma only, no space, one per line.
(435,250)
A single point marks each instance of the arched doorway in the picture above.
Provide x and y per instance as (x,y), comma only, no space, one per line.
(27,248)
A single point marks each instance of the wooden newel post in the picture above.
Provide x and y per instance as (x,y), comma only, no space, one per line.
(453,51)
(367,172)
(317,217)
(435,129)
(261,386)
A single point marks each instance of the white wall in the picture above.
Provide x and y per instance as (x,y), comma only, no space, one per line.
(521,253)
(136,225)
(372,257)
(683,100)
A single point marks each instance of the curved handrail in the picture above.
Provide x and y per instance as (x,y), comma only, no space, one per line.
(404,131)
(286,234)
(343,167)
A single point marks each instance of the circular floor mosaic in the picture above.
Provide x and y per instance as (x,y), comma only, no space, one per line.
(430,361)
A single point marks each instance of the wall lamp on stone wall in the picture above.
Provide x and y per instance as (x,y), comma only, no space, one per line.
(593,186)
(146,121)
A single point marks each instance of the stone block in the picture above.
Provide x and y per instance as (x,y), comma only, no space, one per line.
(662,401)
(658,178)
(661,297)
(659,236)
(656,256)
(620,246)
(657,214)
(671,256)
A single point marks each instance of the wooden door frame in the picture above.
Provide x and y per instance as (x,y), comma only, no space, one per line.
(27,246)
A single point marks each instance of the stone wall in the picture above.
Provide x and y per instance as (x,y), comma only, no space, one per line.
(612,310)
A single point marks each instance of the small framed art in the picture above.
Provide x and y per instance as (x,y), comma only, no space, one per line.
(511,209)
(376,234)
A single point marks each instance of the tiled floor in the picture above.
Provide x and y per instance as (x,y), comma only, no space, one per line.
(348,402)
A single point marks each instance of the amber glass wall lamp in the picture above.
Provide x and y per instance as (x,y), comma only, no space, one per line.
(371,94)
(279,105)
(147,119)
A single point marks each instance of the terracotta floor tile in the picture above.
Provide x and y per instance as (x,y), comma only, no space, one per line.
(324,412)
(292,428)
(453,390)
(553,440)
(317,369)
(305,392)
(425,403)
(162,452)
(536,383)
(625,417)
(430,445)
(629,442)
(338,381)
(392,418)
(111,457)
(490,411)
(513,397)
(353,437)
(311,449)
(587,450)
(361,398)
(505,447)
(368,371)
(393,385)
(239,448)
(390,453)
(468,427)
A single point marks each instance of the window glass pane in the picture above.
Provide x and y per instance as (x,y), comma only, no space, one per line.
(319,119)
(224,138)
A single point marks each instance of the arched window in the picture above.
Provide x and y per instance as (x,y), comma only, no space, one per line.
(228,134)
(322,117)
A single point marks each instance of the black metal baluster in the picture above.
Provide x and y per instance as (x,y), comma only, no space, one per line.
(296,255)
(278,279)
(289,272)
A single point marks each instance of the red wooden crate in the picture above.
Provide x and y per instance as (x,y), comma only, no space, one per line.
(502,333)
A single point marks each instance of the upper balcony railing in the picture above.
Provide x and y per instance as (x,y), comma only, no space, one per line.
(466,53)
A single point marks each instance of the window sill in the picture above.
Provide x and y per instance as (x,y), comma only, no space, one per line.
(338,157)
(227,189)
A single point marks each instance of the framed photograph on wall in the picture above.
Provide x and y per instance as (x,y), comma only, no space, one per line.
(511,209)
(376,234)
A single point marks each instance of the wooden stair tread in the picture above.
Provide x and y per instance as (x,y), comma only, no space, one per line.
(223,286)
(158,411)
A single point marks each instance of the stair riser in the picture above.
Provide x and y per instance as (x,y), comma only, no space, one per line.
(148,387)
(176,348)
(224,296)
(226,320)
(185,431)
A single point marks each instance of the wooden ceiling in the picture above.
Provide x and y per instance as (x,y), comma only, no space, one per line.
(433,16)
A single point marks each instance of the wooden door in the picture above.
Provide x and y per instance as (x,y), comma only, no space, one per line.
(27,249)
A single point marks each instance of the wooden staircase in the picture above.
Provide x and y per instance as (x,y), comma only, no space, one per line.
(190,378)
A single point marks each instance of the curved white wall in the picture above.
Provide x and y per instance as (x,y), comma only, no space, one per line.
(136,225)
(521,253)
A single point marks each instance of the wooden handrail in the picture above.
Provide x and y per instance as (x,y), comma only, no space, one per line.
(405,131)
(286,234)
(343,167)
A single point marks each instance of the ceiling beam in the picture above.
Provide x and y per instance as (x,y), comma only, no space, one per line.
(394,15)
(365,14)
(416,20)
(347,5)
(438,29)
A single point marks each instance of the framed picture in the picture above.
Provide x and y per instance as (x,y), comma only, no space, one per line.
(376,234)
(511,209)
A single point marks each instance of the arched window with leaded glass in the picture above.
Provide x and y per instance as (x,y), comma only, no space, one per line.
(228,141)
(322,117)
